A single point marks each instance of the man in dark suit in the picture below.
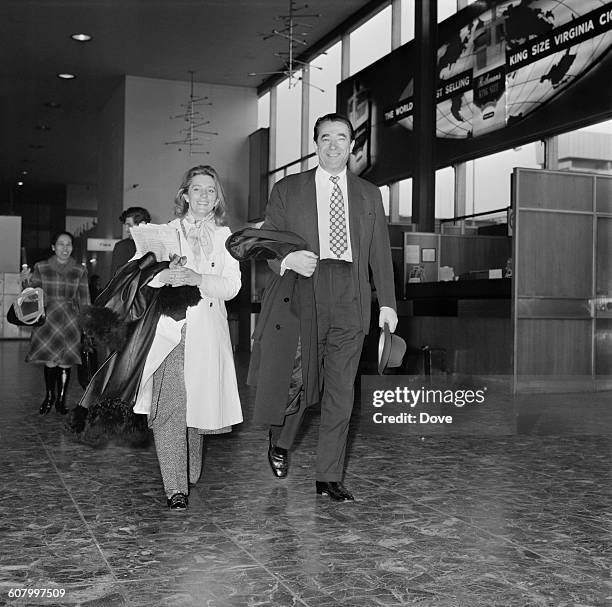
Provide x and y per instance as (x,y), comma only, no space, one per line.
(341,218)
(125,249)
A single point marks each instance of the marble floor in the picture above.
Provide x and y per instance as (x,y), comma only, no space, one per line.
(516,514)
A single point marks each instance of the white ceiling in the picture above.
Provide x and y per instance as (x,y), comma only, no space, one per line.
(220,40)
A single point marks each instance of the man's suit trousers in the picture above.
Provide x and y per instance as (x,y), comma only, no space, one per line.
(340,340)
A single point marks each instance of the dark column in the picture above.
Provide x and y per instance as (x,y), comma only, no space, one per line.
(425,81)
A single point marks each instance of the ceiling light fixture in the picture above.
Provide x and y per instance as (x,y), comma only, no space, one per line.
(290,32)
(43,127)
(81,37)
(54,105)
(190,135)
(20,183)
(66,76)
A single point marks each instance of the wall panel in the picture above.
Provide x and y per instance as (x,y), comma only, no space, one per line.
(553,190)
(555,254)
(562,280)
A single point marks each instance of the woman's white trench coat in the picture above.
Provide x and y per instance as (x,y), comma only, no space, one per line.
(210,376)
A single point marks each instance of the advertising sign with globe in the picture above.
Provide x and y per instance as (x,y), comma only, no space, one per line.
(508,72)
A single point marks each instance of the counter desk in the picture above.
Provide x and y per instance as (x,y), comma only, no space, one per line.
(469,321)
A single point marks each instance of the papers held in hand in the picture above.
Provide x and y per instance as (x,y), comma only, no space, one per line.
(163,240)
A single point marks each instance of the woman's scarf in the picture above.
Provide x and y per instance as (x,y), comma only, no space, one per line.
(199,235)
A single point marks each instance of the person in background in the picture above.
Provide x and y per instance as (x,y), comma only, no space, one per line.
(94,286)
(125,249)
(56,343)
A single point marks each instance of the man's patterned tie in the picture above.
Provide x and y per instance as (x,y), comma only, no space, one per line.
(337,221)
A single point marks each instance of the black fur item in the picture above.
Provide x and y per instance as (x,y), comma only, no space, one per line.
(108,420)
(174,301)
(104,326)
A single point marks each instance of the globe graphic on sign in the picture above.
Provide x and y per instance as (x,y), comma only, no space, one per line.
(483,45)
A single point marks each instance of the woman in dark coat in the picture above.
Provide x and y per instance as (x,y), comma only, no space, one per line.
(56,343)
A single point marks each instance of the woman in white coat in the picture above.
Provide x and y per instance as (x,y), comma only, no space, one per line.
(188,387)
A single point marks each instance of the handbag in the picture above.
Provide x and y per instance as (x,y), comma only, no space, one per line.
(28,310)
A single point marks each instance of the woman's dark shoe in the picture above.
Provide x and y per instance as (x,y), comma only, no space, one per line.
(63,378)
(178,502)
(278,459)
(50,379)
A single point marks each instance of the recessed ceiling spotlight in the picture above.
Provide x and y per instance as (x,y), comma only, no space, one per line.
(66,76)
(43,127)
(81,37)
(20,183)
(54,105)
(24,172)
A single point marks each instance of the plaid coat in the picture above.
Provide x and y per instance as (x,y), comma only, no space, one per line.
(66,291)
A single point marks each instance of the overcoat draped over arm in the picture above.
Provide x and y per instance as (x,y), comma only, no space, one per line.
(287,315)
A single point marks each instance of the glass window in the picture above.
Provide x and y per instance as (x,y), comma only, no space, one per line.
(587,149)
(600,127)
(263,111)
(488,178)
(407,13)
(293,169)
(324,76)
(274,178)
(288,117)
(446,8)
(384,192)
(405,199)
(371,41)
(445,193)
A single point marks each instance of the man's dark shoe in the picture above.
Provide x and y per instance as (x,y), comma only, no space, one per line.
(336,491)
(278,459)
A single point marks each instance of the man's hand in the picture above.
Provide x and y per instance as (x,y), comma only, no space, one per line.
(302,262)
(389,316)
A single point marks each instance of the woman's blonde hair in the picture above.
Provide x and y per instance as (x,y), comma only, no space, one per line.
(181,205)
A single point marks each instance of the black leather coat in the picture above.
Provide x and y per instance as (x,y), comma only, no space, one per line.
(132,301)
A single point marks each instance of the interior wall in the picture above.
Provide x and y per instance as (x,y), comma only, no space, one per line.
(110,165)
(153,169)
(10,243)
(81,207)
(110,176)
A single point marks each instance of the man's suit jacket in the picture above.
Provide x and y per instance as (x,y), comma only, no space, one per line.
(293,207)
(122,253)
